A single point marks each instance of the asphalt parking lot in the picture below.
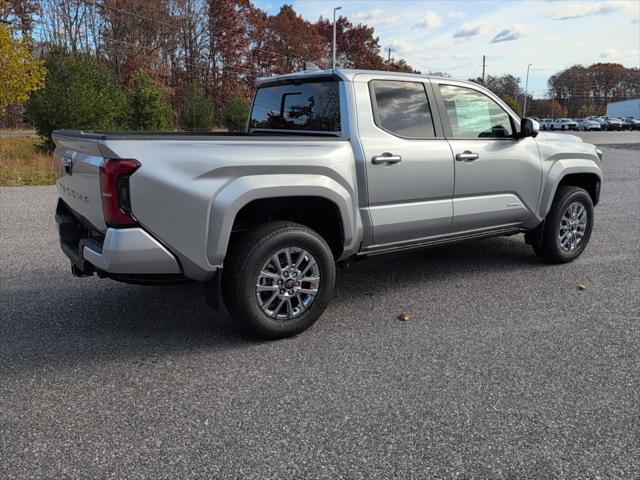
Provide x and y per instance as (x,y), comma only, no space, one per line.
(506,370)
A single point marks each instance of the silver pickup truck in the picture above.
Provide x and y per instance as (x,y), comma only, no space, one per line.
(333,165)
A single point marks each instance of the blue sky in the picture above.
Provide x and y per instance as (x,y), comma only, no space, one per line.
(453,35)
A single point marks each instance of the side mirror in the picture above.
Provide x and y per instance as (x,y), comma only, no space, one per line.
(529,128)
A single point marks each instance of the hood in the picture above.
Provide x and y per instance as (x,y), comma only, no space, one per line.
(558,137)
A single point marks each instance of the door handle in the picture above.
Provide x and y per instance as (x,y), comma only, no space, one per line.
(386,159)
(467,156)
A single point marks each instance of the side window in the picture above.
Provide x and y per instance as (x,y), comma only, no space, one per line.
(474,115)
(402,109)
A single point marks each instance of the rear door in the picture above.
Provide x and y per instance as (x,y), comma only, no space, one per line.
(497,175)
(409,165)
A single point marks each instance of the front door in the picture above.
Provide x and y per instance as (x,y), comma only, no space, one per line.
(409,167)
(497,175)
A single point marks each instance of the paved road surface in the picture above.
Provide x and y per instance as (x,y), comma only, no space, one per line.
(506,370)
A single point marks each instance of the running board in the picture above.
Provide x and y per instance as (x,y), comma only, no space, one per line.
(378,250)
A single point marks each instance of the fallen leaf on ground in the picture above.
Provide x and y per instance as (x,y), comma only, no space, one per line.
(405,317)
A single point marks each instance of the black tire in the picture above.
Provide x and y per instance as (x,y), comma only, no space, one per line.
(548,248)
(244,262)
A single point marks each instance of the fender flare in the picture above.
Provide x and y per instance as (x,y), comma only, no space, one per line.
(243,190)
(558,172)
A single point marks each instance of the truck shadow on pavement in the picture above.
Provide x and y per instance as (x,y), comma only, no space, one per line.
(56,319)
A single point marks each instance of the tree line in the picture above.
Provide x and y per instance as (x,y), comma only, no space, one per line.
(195,51)
(192,64)
(576,91)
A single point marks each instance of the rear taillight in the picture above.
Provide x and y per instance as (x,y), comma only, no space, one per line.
(114,188)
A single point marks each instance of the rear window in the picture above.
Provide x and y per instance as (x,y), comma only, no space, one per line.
(312,106)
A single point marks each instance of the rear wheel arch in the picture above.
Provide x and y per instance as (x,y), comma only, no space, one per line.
(244,190)
(318,213)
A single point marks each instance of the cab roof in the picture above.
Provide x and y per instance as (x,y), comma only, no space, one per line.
(345,74)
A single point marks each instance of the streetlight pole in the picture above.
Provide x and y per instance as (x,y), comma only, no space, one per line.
(334,36)
(526,89)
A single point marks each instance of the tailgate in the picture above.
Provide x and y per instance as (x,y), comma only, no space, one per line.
(77,165)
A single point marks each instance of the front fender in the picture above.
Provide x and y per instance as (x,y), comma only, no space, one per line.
(243,190)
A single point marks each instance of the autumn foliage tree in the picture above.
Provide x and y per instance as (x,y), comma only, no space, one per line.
(292,41)
(583,89)
(20,73)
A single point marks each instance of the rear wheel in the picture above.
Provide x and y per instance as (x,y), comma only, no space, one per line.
(278,279)
(568,226)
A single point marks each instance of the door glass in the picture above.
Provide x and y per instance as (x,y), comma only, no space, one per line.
(474,115)
(402,108)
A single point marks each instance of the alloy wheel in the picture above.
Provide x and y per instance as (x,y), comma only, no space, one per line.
(288,283)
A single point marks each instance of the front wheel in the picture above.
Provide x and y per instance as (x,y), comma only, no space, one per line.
(278,279)
(568,226)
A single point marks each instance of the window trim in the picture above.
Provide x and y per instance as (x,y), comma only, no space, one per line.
(437,134)
(446,122)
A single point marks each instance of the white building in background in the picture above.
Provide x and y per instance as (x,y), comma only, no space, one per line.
(624,108)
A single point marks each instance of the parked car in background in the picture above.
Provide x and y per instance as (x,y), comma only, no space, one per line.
(599,120)
(564,124)
(545,123)
(611,123)
(630,123)
(590,125)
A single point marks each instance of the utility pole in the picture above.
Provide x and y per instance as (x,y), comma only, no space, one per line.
(389,60)
(483,64)
(526,89)
(334,36)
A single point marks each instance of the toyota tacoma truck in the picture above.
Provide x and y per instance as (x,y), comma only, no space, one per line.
(333,165)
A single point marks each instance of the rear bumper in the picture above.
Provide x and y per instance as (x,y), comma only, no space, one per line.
(130,251)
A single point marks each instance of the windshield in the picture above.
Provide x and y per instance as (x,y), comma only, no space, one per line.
(312,106)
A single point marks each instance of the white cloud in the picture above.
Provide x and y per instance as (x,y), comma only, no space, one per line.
(401,46)
(468,30)
(455,15)
(585,9)
(375,17)
(508,34)
(429,20)
(610,53)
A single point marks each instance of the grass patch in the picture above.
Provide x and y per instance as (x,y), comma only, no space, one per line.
(24,161)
